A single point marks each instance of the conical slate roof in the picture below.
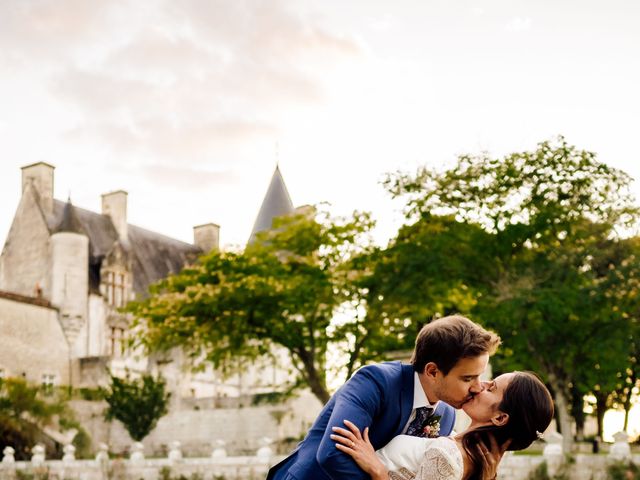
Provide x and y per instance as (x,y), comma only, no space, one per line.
(69,221)
(276,203)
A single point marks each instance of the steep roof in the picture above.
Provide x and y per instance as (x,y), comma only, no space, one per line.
(154,256)
(69,221)
(276,203)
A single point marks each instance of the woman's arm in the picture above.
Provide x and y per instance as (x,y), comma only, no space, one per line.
(358,446)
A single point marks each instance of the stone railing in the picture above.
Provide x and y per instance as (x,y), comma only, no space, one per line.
(220,466)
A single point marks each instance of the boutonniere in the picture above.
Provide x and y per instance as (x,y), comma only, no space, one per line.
(432,427)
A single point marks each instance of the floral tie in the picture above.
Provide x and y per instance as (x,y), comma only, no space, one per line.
(416,427)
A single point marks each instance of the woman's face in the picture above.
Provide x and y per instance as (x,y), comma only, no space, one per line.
(484,405)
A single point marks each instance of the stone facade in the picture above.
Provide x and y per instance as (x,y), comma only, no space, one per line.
(65,272)
(32,343)
(87,265)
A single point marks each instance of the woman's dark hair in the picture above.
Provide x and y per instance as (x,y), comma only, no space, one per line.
(530,408)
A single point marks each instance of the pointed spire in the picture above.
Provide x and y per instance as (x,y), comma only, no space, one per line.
(276,203)
(69,221)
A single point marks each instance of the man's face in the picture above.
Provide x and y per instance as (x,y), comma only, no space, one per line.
(462,382)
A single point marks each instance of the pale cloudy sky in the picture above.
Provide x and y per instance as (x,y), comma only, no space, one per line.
(182,103)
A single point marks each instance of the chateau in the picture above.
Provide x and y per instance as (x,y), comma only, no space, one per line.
(64,273)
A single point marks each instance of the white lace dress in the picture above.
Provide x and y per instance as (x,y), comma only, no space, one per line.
(414,458)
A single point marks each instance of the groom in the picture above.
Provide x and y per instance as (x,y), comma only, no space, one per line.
(392,399)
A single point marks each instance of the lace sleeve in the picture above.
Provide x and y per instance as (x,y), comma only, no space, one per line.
(441,463)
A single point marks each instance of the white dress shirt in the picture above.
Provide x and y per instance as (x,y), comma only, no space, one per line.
(419,400)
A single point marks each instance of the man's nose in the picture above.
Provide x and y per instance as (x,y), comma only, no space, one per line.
(477,387)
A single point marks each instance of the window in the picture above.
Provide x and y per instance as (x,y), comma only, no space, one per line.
(48,382)
(116,342)
(115,289)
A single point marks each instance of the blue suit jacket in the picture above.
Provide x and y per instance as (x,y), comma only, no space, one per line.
(378,396)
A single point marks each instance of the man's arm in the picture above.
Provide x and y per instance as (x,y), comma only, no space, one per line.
(360,400)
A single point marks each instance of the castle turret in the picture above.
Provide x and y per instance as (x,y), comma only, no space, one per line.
(69,256)
(276,203)
(40,176)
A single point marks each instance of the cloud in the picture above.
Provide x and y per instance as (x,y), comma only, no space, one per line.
(187,179)
(184,79)
(518,24)
(160,139)
(31,30)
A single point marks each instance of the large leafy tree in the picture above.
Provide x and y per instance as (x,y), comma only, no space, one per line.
(296,289)
(547,213)
(431,268)
(137,402)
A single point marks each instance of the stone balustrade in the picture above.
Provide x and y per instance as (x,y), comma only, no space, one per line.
(220,466)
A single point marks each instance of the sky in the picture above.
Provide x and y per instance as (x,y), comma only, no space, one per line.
(188,105)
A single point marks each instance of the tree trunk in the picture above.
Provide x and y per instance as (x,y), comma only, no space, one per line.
(627,408)
(577,412)
(317,383)
(627,400)
(562,412)
(601,409)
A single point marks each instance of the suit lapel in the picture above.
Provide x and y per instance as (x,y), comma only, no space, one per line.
(439,409)
(406,398)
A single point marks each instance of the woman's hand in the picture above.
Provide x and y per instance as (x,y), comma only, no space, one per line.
(360,449)
(490,458)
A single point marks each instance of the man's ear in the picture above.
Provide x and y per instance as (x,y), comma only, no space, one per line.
(431,369)
(500,419)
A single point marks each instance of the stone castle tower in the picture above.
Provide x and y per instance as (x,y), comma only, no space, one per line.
(86,265)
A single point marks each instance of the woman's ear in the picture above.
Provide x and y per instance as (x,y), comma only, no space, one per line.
(500,419)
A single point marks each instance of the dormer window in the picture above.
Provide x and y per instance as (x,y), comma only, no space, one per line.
(115,288)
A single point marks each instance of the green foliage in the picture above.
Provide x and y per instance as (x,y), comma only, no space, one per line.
(528,245)
(24,410)
(270,398)
(541,472)
(623,471)
(90,394)
(137,403)
(41,473)
(285,289)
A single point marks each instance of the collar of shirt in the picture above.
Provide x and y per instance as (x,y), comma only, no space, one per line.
(419,397)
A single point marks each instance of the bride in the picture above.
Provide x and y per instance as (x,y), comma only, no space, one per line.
(508,414)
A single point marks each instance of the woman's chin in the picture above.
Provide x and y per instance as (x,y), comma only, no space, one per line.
(467,407)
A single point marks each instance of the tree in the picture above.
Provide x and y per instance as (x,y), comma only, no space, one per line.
(137,403)
(24,411)
(547,213)
(297,288)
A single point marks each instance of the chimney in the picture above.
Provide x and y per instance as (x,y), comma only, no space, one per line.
(40,175)
(207,237)
(114,204)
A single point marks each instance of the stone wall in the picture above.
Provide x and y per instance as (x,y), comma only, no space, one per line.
(32,342)
(24,260)
(241,430)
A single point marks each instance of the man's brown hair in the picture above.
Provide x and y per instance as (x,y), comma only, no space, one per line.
(446,340)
